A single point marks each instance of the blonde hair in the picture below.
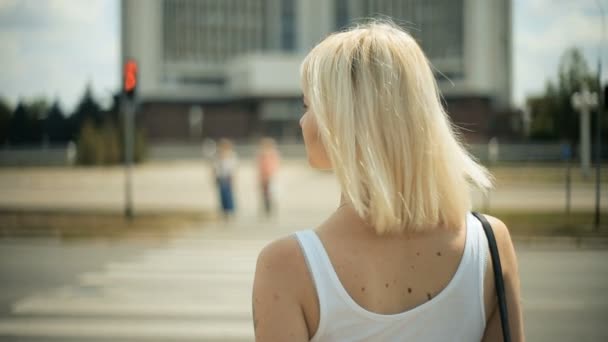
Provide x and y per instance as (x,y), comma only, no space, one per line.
(392,146)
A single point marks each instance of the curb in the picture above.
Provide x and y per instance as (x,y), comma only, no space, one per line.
(575,242)
(10,219)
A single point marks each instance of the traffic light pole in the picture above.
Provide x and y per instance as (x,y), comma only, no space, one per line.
(598,148)
(129,102)
(128,118)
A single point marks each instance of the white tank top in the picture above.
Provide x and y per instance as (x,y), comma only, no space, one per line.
(455,314)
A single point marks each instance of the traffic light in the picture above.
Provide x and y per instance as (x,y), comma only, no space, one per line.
(130,78)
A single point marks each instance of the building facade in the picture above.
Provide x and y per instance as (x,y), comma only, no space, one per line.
(229,68)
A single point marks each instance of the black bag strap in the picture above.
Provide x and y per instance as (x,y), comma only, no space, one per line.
(498,280)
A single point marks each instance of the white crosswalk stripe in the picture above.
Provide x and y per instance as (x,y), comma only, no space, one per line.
(126,330)
(195,288)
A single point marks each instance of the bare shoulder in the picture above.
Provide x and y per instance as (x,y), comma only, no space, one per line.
(504,243)
(499,227)
(281,261)
(277,288)
(508,261)
(281,253)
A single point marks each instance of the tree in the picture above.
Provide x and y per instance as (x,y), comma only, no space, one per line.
(5,117)
(36,113)
(25,125)
(543,125)
(100,136)
(56,125)
(90,145)
(552,114)
(18,132)
(87,109)
(573,74)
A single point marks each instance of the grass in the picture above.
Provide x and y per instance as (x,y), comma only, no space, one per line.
(510,173)
(548,223)
(76,225)
(67,226)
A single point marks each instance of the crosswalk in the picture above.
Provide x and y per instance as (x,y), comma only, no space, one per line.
(197,287)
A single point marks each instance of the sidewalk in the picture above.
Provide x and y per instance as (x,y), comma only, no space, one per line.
(188,186)
(305,196)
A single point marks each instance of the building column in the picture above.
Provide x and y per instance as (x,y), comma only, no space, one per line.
(315,20)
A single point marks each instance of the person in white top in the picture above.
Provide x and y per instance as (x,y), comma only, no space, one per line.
(224,169)
(401,258)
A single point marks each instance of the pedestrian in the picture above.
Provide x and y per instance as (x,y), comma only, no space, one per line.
(268,165)
(209,149)
(493,151)
(402,257)
(224,169)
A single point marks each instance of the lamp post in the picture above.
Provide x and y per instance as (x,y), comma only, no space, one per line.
(598,129)
(584,101)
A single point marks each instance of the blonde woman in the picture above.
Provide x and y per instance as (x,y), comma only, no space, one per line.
(401,258)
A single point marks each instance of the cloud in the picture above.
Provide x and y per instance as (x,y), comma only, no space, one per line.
(53,48)
(543,30)
(36,14)
(68,11)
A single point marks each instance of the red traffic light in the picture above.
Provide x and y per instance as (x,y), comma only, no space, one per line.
(130,76)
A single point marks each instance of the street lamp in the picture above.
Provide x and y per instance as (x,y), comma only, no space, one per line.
(598,129)
(584,101)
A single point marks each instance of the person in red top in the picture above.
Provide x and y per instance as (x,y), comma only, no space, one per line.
(268,165)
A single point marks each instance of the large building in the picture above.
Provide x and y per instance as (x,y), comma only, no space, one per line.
(214,68)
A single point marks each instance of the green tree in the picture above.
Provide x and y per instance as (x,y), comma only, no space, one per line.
(111,143)
(25,125)
(543,108)
(104,145)
(37,110)
(90,145)
(101,138)
(18,132)
(5,117)
(573,74)
(87,109)
(552,114)
(56,125)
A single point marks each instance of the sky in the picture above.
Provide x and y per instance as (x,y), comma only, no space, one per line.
(54,48)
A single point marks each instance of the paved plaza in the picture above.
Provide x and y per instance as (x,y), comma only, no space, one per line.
(196,284)
(188,186)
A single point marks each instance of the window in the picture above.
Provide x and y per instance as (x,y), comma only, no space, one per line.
(437,25)
(288,18)
(342,18)
(211,31)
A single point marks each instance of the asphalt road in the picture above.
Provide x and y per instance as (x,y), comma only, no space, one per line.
(564,288)
(564,294)
(32,264)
